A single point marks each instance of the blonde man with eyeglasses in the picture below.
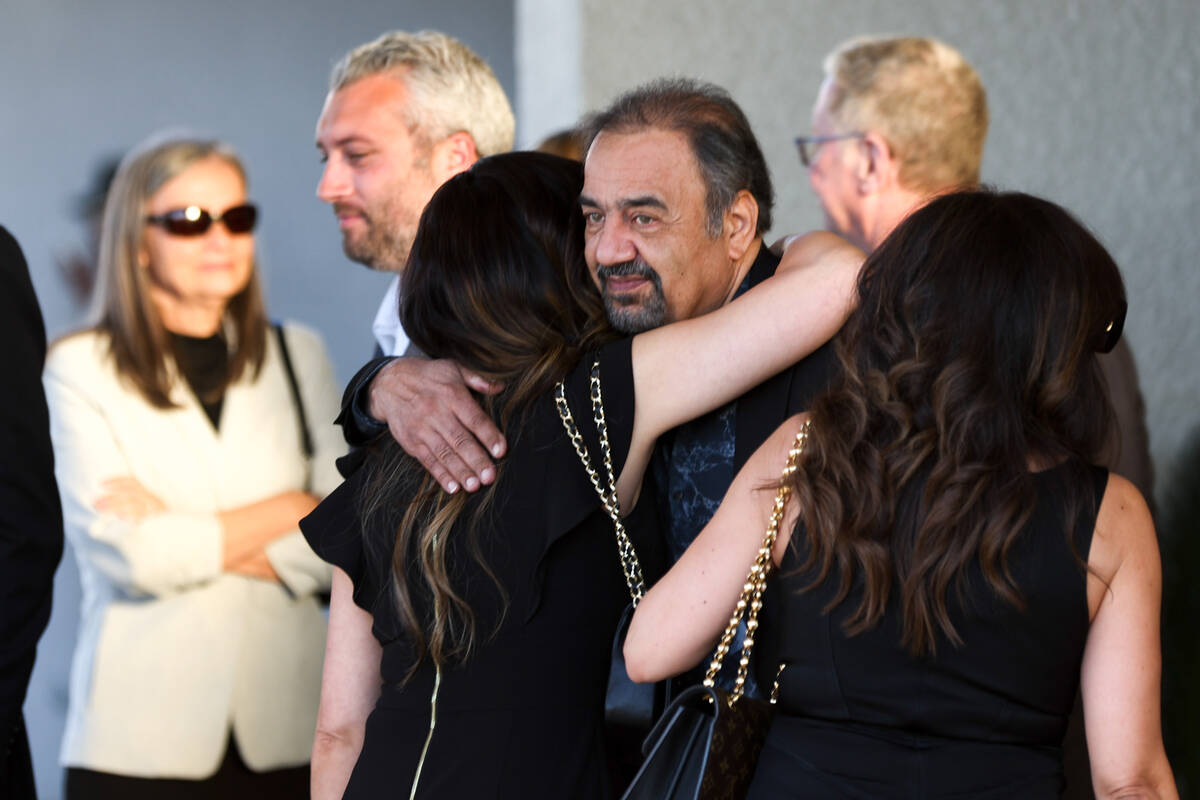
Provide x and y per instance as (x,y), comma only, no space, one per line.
(897,121)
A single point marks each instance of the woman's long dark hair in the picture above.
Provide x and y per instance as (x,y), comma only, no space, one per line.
(970,356)
(496,280)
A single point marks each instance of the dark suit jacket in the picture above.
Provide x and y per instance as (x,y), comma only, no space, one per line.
(31,535)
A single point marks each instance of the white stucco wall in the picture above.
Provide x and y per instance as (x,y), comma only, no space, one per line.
(549,73)
(1094,105)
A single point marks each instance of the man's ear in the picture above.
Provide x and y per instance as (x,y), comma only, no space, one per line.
(877,167)
(453,155)
(741,224)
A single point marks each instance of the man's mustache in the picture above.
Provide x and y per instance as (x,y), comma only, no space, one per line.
(626,268)
(338,208)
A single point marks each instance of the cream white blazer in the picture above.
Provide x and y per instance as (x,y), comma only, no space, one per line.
(172,651)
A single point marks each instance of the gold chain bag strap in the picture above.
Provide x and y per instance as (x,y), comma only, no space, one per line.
(607,491)
(630,709)
(706,745)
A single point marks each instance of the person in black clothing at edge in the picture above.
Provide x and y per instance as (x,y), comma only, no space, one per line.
(31,532)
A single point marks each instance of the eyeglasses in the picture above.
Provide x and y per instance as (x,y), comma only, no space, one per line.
(808,145)
(195,221)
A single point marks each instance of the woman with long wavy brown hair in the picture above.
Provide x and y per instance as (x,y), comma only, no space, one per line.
(490,616)
(956,558)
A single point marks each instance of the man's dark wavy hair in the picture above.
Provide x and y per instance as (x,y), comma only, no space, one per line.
(970,356)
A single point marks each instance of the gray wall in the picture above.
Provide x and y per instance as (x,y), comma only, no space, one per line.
(82,80)
(1094,105)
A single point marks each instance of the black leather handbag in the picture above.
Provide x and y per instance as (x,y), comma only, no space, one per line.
(706,745)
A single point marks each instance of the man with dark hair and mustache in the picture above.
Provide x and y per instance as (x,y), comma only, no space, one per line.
(676,199)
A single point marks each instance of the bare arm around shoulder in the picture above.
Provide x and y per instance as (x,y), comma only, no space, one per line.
(1121,677)
(350,686)
(688,368)
(680,619)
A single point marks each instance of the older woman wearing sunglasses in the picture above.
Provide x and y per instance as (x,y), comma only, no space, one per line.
(185,460)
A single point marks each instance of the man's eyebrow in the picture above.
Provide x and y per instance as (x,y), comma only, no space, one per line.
(643,201)
(353,138)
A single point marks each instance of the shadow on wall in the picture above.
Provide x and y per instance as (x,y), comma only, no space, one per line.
(1179,538)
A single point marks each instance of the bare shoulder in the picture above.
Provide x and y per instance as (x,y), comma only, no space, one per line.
(1123,520)
(1124,544)
(805,250)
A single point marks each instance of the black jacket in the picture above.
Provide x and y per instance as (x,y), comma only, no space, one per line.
(31,533)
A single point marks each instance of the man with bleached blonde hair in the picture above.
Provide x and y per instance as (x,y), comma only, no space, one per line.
(897,121)
(404,113)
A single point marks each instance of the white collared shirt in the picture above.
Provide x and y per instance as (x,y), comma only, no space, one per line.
(393,341)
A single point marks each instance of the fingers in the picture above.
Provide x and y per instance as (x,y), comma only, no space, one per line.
(448,451)
(432,414)
(122,483)
(127,499)
(473,418)
(127,506)
(478,383)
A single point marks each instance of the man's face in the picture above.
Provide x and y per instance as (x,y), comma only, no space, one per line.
(832,171)
(645,236)
(377,176)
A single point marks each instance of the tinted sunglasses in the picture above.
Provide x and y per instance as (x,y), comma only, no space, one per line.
(195,221)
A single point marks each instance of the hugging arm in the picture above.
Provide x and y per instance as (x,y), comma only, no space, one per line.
(678,622)
(685,369)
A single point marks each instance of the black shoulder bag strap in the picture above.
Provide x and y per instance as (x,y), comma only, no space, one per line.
(305,437)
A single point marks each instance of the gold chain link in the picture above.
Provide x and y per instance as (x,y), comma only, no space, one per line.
(756,583)
(608,496)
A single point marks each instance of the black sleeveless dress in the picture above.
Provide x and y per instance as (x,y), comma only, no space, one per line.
(523,716)
(859,717)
